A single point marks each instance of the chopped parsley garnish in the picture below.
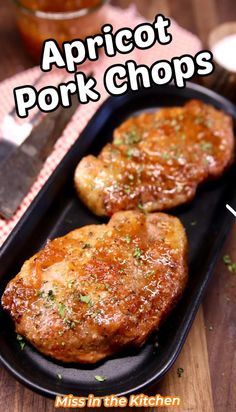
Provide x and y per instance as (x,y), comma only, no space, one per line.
(127,190)
(69,323)
(129,153)
(226,259)
(149,273)
(86,299)
(180,372)
(61,309)
(141,207)
(118,142)
(108,287)
(86,246)
(100,378)
(231,266)
(95,313)
(116,186)
(51,295)
(21,341)
(206,147)
(137,253)
(127,239)
(199,120)
(132,136)
(165,156)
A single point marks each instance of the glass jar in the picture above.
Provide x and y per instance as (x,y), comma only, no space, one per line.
(62,20)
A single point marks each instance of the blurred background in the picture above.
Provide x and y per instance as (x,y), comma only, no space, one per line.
(197,16)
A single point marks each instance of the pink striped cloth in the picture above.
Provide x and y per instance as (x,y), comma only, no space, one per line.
(183,42)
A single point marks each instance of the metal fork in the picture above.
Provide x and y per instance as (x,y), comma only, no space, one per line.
(13,134)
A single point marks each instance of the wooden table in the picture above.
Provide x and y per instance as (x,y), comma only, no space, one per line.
(208,357)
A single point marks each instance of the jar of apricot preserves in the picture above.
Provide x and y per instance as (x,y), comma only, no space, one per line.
(62,20)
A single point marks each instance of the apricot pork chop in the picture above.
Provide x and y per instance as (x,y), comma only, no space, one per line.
(157,160)
(100,288)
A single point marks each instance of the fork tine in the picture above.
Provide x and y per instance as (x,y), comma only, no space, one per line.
(34,120)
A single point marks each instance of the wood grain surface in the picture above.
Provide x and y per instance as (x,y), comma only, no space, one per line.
(208,358)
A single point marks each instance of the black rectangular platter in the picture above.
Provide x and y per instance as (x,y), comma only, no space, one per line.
(57,210)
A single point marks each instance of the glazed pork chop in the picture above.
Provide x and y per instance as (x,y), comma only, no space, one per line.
(100,288)
(157,160)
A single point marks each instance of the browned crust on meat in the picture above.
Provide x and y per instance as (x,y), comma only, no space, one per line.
(157,160)
(101,288)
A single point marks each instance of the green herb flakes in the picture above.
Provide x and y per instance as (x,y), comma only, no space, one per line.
(40,293)
(21,341)
(51,295)
(118,142)
(95,313)
(86,299)
(149,273)
(127,239)
(137,253)
(165,156)
(69,323)
(140,206)
(61,309)
(100,378)
(132,136)
(226,259)
(206,147)
(231,266)
(108,287)
(199,120)
(86,246)
(129,153)
(127,190)
(180,372)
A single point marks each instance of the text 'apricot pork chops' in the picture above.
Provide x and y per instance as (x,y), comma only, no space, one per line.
(100,288)
(157,160)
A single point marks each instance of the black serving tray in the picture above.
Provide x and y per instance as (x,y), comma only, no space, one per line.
(57,210)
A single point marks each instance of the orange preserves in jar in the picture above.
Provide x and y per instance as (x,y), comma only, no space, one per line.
(62,20)
(60,5)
